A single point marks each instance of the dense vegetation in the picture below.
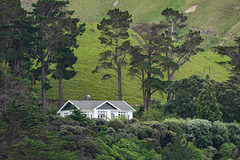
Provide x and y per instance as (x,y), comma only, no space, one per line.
(26,133)
(199,118)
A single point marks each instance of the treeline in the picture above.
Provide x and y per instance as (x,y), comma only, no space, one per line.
(32,42)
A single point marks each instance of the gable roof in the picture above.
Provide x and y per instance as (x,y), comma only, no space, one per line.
(93,105)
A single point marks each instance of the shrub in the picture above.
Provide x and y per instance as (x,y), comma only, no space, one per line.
(110,130)
(234,131)
(100,121)
(178,149)
(107,152)
(226,150)
(220,134)
(174,124)
(116,124)
(153,114)
(68,129)
(159,126)
(200,129)
(78,115)
(210,151)
(141,131)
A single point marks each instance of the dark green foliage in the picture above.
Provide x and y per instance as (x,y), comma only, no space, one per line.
(18,38)
(210,151)
(185,93)
(155,113)
(207,106)
(234,130)
(67,31)
(233,52)
(78,115)
(140,131)
(114,35)
(183,44)
(226,150)
(147,63)
(57,32)
(178,149)
(229,100)
(220,134)
(36,150)
(116,124)
(200,129)
(175,125)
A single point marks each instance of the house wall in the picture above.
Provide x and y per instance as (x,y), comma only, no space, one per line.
(65,113)
(130,115)
(94,114)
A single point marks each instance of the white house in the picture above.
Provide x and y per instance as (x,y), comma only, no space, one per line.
(98,109)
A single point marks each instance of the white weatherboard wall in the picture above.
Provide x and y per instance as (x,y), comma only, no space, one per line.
(94,114)
(65,113)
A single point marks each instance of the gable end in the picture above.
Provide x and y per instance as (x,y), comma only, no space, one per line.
(68,106)
(107,106)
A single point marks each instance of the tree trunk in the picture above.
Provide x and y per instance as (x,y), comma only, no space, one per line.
(119,84)
(172,30)
(169,79)
(148,98)
(44,101)
(144,92)
(60,91)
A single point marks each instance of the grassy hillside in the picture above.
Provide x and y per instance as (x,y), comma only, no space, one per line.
(217,16)
(85,82)
(217,20)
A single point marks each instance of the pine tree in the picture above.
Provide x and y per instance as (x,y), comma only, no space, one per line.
(183,46)
(114,35)
(51,16)
(67,31)
(147,61)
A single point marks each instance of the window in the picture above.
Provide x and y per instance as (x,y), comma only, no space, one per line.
(87,113)
(65,114)
(123,114)
(102,114)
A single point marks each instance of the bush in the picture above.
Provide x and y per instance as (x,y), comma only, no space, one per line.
(226,150)
(234,131)
(153,114)
(116,124)
(100,121)
(178,149)
(140,131)
(174,124)
(159,126)
(68,129)
(200,129)
(210,151)
(220,134)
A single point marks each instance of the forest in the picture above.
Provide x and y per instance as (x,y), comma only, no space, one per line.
(198,119)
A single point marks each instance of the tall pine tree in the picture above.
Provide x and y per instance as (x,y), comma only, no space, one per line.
(52,19)
(114,35)
(147,61)
(66,32)
(183,46)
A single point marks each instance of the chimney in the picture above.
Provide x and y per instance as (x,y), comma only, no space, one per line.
(87,97)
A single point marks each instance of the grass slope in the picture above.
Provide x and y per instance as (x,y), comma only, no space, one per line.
(219,16)
(85,82)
